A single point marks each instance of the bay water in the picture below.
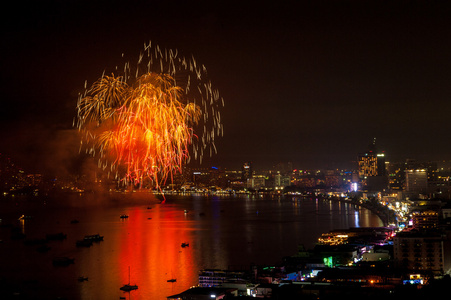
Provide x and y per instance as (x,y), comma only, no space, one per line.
(232,231)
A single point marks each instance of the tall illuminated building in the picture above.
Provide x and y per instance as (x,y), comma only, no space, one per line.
(372,170)
(367,165)
(246,171)
(372,162)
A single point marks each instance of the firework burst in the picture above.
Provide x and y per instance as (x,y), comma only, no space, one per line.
(150,120)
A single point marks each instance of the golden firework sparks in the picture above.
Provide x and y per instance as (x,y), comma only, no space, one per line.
(143,125)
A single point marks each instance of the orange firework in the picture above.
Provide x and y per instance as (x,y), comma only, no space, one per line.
(142,126)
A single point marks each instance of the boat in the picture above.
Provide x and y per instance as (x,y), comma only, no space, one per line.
(128,287)
(94,237)
(172,279)
(82,278)
(123,216)
(185,245)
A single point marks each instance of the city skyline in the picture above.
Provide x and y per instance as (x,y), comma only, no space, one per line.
(310,84)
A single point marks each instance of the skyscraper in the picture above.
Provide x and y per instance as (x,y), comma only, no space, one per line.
(372,171)
(246,171)
(372,162)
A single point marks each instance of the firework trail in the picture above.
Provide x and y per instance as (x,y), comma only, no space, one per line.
(148,121)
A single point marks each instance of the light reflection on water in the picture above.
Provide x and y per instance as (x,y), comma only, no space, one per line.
(222,232)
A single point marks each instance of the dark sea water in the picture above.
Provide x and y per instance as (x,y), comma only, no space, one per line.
(222,232)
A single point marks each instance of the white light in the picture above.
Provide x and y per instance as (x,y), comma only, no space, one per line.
(212,296)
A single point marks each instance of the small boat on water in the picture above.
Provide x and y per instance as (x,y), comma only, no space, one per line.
(185,245)
(94,237)
(128,287)
(172,280)
(123,216)
(82,278)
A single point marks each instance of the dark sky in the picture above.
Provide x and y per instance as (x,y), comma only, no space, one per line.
(311,82)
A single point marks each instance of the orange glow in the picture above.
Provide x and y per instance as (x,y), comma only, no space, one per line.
(142,127)
(152,256)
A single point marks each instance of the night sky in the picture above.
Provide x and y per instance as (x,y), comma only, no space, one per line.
(310,82)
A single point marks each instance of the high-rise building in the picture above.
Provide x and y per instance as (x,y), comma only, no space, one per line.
(396,175)
(372,162)
(246,171)
(416,181)
(281,181)
(372,171)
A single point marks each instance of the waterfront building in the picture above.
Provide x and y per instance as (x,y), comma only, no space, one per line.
(357,236)
(281,181)
(420,251)
(256,182)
